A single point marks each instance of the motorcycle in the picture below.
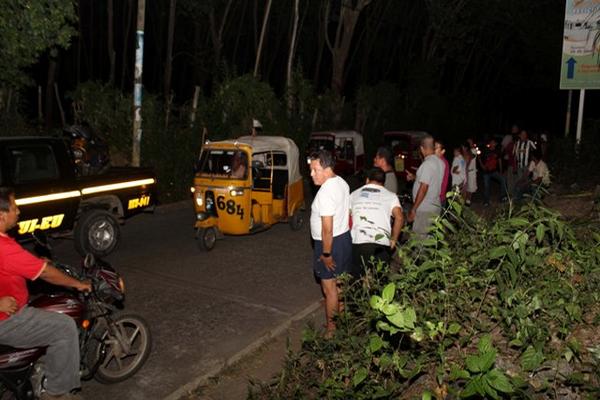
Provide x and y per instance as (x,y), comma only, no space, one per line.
(90,151)
(113,346)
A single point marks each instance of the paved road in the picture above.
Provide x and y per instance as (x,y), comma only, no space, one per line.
(202,307)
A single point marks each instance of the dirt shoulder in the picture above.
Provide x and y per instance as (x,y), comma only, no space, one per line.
(260,366)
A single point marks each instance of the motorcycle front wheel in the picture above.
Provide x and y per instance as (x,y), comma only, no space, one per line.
(124,348)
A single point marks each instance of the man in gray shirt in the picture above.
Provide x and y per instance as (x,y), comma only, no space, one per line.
(426,189)
(384,159)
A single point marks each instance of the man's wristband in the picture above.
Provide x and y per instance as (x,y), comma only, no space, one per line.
(326,254)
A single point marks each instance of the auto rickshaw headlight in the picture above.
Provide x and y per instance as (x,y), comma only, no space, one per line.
(236,192)
(192,189)
(199,200)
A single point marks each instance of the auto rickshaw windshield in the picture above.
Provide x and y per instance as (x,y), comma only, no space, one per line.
(321,144)
(398,144)
(224,164)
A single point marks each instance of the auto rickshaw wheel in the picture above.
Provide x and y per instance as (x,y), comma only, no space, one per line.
(207,238)
(297,220)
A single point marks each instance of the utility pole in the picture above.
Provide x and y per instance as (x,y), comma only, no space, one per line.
(137,85)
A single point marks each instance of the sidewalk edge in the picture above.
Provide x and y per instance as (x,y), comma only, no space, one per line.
(249,349)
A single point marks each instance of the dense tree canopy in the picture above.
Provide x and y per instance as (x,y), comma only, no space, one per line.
(28,28)
(497,59)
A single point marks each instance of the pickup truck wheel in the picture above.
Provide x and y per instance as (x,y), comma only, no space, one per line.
(97,232)
(207,238)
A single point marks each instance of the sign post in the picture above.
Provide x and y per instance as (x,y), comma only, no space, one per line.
(568,119)
(580,116)
(580,68)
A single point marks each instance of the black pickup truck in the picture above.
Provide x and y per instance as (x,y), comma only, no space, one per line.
(53,199)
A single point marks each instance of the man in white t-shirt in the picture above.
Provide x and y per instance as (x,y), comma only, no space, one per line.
(426,189)
(372,207)
(329,228)
(538,175)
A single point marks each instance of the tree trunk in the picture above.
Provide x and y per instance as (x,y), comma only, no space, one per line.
(373,27)
(197,46)
(92,44)
(60,107)
(255,25)
(323,22)
(169,56)
(216,32)
(343,39)
(262,37)
(137,85)
(79,44)
(50,79)
(125,61)
(290,102)
(111,44)
(239,33)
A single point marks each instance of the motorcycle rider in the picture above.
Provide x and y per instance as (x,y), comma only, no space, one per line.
(26,327)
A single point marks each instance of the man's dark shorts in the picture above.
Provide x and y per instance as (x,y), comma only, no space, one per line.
(365,255)
(341,253)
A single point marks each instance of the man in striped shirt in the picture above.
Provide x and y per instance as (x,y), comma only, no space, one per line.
(523,150)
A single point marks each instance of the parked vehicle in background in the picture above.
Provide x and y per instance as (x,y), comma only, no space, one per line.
(54,199)
(245,185)
(405,146)
(346,146)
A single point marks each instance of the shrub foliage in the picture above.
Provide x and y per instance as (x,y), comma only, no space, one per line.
(482,309)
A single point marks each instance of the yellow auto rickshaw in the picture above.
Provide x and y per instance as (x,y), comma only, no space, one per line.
(244,186)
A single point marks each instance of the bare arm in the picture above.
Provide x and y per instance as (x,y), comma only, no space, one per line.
(327,238)
(54,276)
(418,200)
(397,228)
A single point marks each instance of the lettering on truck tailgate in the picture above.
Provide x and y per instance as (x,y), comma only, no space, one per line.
(55,221)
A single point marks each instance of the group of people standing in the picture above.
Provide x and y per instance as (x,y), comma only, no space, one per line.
(350,229)
(517,165)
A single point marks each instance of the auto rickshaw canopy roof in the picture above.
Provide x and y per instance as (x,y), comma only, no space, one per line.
(263,144)
(339,136)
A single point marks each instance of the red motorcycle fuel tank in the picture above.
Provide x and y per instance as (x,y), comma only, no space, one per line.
(61,303)
(16,358)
